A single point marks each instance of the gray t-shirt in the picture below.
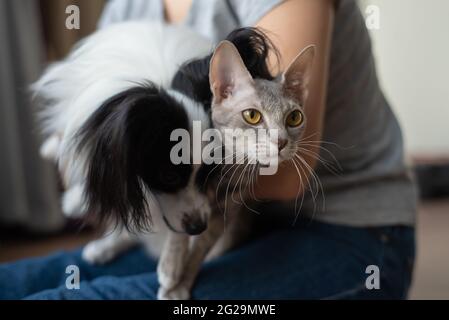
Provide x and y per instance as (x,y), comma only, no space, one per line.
(374,186)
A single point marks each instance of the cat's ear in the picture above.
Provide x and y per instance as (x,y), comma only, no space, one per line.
(296,78)
(227,73)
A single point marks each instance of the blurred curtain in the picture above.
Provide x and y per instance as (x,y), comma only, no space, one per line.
(60,40)
(31,33)
(28,193)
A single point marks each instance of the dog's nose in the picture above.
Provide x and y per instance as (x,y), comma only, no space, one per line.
(282,143)
(194,226)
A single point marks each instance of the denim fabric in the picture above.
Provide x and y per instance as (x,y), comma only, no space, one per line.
(312,261)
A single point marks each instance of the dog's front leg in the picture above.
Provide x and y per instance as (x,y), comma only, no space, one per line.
(200,247)
(172,262)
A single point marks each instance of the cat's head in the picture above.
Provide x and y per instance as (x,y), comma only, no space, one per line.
(243,102)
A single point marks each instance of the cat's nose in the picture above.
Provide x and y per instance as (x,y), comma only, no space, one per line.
(282,143)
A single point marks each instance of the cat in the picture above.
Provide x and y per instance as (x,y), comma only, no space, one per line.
(238,100)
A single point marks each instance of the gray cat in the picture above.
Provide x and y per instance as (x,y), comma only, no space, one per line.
(241,102)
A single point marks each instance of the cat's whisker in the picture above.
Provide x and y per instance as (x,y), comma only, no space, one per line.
(249,186)
(310,176)
(235,166)
(328,165)
(324,142)
(307,138)
(303,169)
(239,184)
(213,169)
(219,182)
(253,181)
(307,176)
(305,189)
(226,195)
(317,181)
(300,190)
(235,184)
(334,159)
(240,181)
(218,164)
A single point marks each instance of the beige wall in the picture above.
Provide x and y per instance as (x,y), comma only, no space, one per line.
(412,51)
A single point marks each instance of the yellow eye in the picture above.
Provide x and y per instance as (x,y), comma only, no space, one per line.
(295,119)
(252,116)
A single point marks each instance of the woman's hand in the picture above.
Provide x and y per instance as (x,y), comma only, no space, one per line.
(292,26)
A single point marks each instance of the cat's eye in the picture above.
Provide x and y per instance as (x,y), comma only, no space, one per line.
(252,116)
(295,119)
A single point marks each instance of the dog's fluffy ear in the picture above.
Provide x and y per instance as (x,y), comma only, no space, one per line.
(120,142)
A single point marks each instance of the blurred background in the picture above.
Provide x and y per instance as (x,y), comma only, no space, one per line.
(411,46)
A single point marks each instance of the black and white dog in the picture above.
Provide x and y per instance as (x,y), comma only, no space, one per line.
(109,111)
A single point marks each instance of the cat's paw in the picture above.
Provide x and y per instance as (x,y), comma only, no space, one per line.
(95,253)
(178,293)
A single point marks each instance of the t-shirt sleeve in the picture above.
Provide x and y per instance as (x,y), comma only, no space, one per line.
(124,10)
(249,12)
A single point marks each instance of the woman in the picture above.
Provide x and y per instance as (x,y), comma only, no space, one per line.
(359,245)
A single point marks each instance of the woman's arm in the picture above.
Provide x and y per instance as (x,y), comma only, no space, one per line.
(292,26)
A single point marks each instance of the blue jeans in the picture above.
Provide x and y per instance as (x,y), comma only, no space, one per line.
(312,261)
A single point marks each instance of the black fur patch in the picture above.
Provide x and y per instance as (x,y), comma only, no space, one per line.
(192,78)
(127,143)
(206,175)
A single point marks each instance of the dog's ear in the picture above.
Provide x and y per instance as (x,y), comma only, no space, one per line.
(120,143)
